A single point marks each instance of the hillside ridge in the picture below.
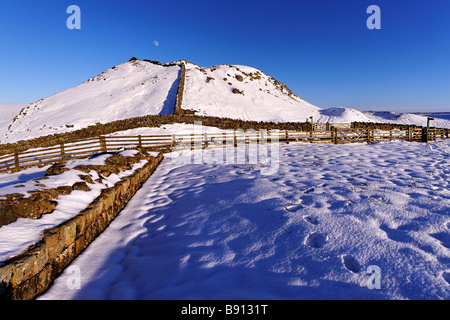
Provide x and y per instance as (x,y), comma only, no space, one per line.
(138,88)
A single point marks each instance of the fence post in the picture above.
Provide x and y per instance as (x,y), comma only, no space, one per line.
(335,131)
(409,134)
(287,137)
(63,153)
(224,140)
(102,144)
(140,140)
(368,135)
(206,140)
(16,162)
(174,143)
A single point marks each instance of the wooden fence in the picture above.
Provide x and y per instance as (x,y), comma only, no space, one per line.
(375,135)
(329,126)
(88,147)
(75,150)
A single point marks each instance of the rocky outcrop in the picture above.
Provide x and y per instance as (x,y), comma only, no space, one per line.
(30,274)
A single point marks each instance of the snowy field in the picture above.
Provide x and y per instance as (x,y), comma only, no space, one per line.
(333,222)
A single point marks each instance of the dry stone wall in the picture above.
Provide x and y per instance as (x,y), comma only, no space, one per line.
(31,273)
(145,121)
(178,110)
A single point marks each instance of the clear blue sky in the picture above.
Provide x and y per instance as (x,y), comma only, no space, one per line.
(321,49)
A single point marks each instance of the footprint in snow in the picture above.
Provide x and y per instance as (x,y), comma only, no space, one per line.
(443,237)
(351,263)
(293,208)
(312,220)
(446,276)
(307,200)
(316,240)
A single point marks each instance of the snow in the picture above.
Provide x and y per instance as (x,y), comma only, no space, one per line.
(131,89)
(25,180)
(311,230)
(8,112)
(128,153)
(439,115)
(342,115)
(440,120)
(168,129)
(16,237)
(262,98)
(208,91)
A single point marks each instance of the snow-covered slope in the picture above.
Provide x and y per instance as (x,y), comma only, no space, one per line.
(8,112)
(131,89)
(438,115)
(440,121)
(240,92)
(342,115)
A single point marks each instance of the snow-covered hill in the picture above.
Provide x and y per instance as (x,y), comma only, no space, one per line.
(131,89)
(409,118)
(240,92)
(137,88)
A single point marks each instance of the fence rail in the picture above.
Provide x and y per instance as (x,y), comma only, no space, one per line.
(88,147)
